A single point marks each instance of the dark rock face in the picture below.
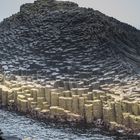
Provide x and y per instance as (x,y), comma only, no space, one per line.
(9,138)
(60,40)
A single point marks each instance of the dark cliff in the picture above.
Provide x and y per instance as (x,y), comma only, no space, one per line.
(61,40)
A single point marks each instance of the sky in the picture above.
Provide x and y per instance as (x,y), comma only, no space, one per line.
(127,11)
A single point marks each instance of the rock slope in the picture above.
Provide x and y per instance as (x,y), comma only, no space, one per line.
(59,40)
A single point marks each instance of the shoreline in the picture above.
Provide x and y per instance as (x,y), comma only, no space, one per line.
(100,108)
(82,125)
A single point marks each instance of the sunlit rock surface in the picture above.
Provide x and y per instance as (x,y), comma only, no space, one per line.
(115,107)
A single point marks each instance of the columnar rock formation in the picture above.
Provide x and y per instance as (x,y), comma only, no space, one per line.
(114,106)
(59,40)
(82,65)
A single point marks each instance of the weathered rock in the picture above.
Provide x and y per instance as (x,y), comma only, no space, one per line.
(73,63)
(53,40)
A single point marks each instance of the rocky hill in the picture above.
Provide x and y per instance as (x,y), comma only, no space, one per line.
(59,40)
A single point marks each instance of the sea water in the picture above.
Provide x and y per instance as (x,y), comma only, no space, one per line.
(22,127)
